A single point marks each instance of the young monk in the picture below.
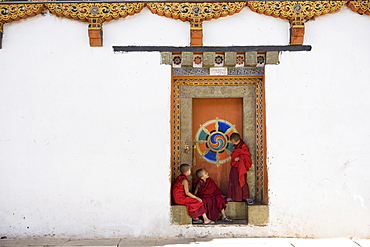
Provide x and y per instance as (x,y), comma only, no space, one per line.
(182,196)
(211,195)
(240,163)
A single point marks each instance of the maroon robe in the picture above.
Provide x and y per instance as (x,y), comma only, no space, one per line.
(238,188)
(212,197)
(193,206)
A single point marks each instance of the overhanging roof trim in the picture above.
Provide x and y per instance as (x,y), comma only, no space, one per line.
(130,1)
(211,48)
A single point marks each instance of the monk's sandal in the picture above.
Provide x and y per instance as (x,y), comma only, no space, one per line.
(226,220)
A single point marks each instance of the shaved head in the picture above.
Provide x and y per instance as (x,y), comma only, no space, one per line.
(235,137)
(200,173)
(184,168)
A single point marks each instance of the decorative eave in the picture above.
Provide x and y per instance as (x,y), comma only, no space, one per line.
(196,13)
(297,12)
(97,12)
(359,6)
(15,12)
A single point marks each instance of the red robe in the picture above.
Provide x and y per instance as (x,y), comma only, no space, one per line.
(212,197)
(238,188)
(193,206)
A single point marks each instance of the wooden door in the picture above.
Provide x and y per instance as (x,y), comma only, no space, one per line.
(214,120)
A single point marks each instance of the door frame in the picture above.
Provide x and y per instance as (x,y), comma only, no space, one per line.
(184,89)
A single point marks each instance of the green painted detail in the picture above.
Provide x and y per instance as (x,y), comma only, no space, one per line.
(202,136)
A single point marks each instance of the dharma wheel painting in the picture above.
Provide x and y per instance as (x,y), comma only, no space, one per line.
(213,141)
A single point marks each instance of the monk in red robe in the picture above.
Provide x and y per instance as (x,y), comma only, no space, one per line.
(240,163)
(211,196)
(182,195)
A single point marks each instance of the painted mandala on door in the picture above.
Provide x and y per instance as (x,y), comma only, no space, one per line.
(213,141)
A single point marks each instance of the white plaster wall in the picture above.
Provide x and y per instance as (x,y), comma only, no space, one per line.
(318,135)
(246,28)
(84,132)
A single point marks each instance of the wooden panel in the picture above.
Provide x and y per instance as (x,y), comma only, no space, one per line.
(205,109)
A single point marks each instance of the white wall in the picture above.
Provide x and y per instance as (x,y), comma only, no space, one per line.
(318,134)
(84,132)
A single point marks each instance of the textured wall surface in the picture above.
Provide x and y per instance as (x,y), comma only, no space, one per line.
(85,133)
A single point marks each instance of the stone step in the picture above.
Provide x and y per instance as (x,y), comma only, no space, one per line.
(255,214)
(237,210)
(179,215)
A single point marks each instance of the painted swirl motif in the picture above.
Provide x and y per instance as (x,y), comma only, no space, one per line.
(84,11)
(217,141)
(293,9)
(186,11)
(15,12)
(213,141)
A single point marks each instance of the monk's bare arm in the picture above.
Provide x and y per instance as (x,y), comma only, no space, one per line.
(187,192)
(196,190)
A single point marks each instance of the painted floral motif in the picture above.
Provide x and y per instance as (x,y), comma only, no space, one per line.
(260,59)
(198,60)
(219,60)
(239,60)
(177,60)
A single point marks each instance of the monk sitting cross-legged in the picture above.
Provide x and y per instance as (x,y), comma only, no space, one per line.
(182,195)
(211,195)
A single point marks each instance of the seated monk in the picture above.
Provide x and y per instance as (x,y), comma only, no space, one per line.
(211,195)
(181,195)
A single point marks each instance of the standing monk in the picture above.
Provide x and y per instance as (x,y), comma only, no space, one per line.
(181,195)
(240,163)
(211,196)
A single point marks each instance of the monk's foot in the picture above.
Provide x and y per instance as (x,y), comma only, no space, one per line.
(197,221)
(211,222)
(226,219)
(229,199)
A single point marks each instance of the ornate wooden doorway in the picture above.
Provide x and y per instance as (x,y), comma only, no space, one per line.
(248,90)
